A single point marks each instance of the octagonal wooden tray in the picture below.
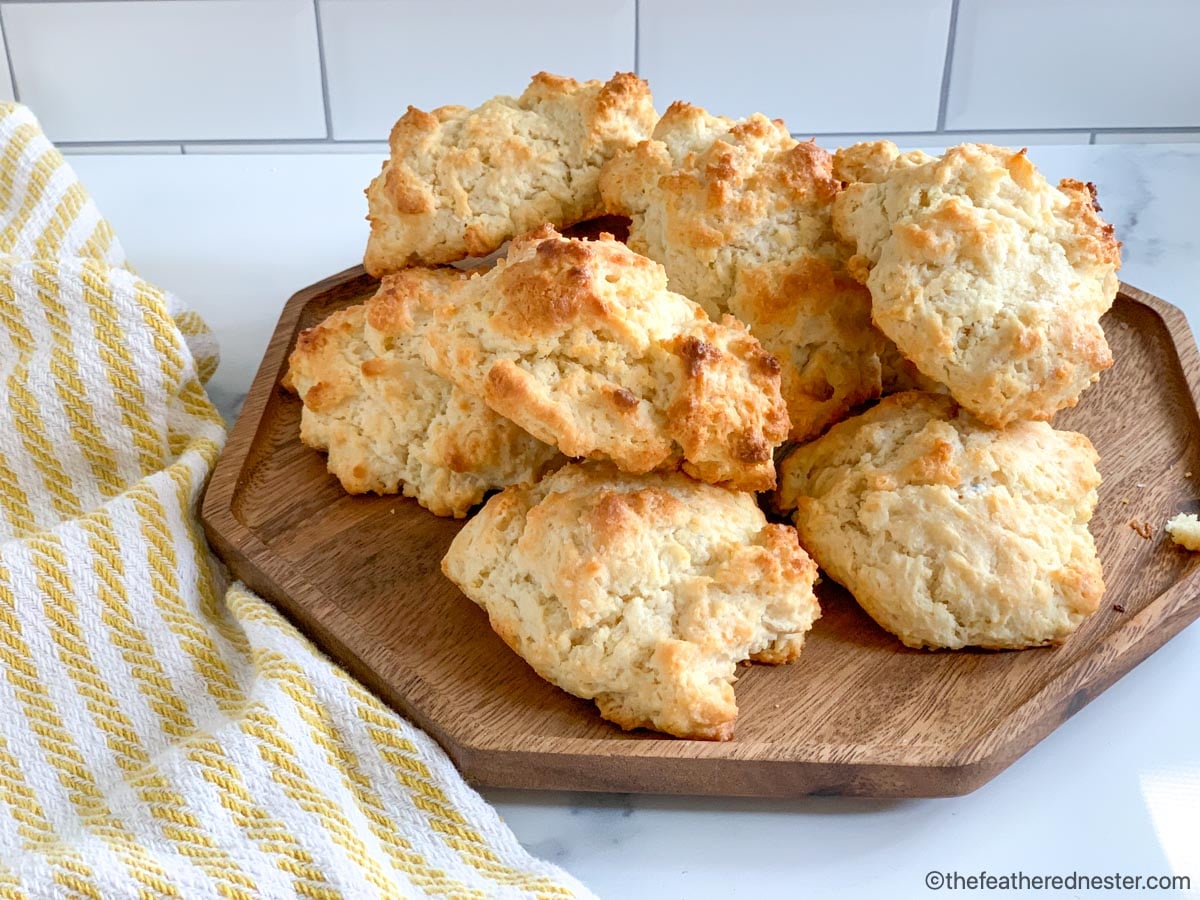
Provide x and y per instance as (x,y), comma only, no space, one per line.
(857,714)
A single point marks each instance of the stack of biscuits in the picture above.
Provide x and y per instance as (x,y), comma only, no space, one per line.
(870,343)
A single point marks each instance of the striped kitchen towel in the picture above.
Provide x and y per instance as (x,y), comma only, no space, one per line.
(165,733)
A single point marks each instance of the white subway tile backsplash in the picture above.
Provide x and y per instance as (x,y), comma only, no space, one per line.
(948,139)
(1075,64)
(250,76)
(1003,138)
(6,85)
(1148,137)
(860,65)
(832,142)
(382,55)
(378,148)
(169,69)
(120,149)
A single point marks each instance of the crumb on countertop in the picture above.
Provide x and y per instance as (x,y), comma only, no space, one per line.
(1144,529)
(1184,530)
(1118,607)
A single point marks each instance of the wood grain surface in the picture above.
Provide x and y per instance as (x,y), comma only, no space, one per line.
(857,714)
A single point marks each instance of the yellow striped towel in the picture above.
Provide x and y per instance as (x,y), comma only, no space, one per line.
(164,733)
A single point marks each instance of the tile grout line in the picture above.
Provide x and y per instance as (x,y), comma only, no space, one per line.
(947,66)
(208,142)
(12,70)
(268,148)
(637,37)
(324,72)
(1133,129)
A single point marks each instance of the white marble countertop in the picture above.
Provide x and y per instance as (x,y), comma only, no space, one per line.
(1115,789)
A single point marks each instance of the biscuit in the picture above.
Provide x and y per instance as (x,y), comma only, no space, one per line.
(1184,530)
(390,424)
(641,592)
(947,532)
(740,215)
(873,161)
(989,279)
(582,345)
(460,182)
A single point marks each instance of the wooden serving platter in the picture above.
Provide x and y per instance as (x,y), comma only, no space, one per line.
(857,714)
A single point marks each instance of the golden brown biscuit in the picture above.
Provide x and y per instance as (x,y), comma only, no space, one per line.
(641,592)
(740,215)
(989,279)
(387,421)
(947,532)
(461,182)
(581,344)
(873,161)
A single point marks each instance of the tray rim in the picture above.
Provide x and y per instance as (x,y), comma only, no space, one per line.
(497,764)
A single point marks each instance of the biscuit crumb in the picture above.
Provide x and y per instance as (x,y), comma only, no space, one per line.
(1125,500)
(1144,529)
(1118,607)
(1187,474)
(1184,530)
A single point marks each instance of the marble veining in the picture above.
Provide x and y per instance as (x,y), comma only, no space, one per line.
(1108,791)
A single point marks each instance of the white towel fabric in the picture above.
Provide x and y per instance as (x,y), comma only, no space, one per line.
(164,733)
